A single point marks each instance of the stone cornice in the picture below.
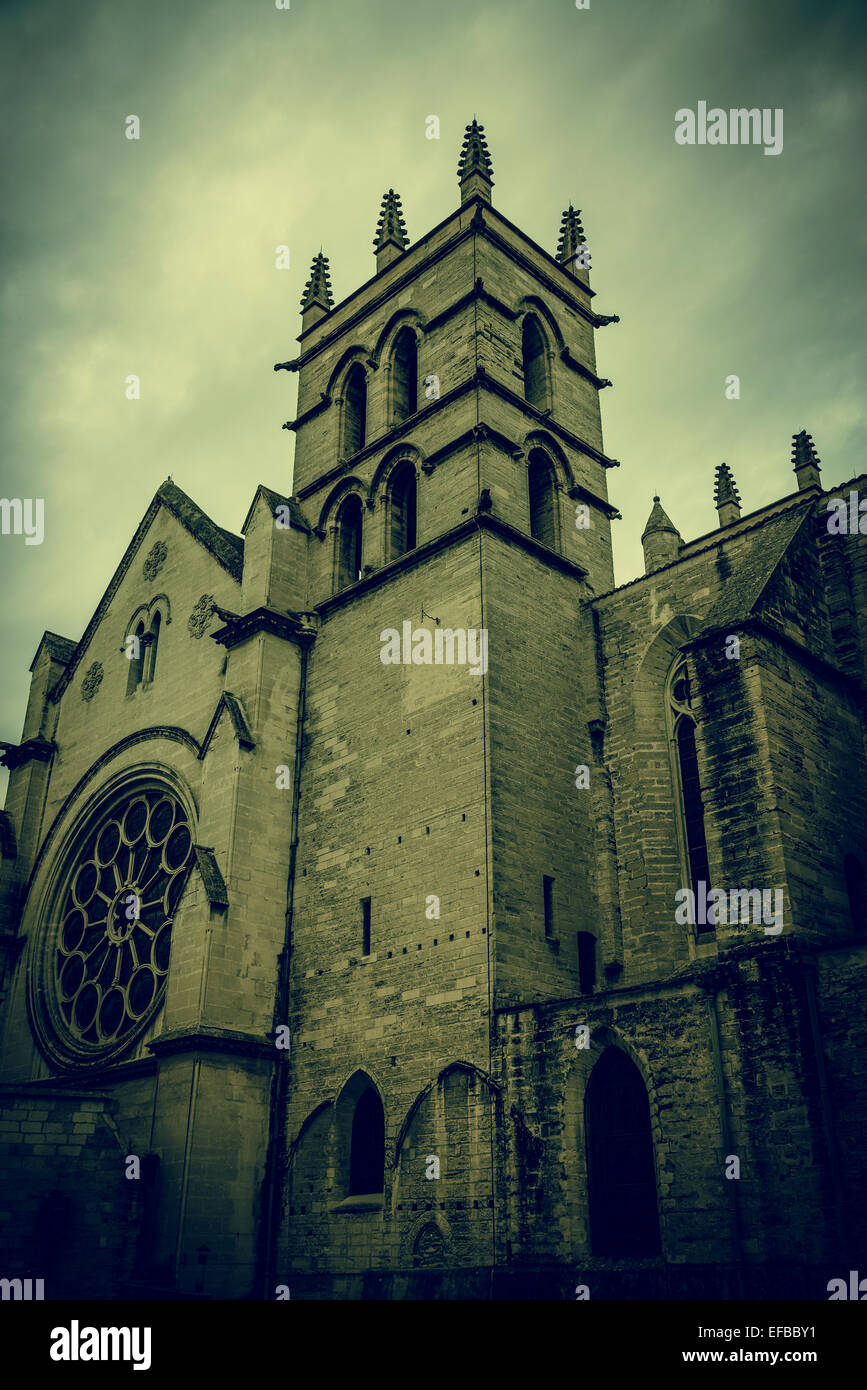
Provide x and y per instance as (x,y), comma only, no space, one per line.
(479,380)
(481,520)
(206,1039)
(284,625)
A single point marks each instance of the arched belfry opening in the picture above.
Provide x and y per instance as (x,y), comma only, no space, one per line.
(354,411)
(404,367)
(534,358)
(348,543)
(403,508)
(621,1177)
(540,481)
(367,1145)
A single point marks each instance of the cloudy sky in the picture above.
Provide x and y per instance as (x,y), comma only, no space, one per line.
(261,127)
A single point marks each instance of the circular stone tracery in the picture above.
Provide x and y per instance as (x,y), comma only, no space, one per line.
(111,953)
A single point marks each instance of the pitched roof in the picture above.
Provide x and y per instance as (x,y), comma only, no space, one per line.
(275,500)
(227,550)
(659,520)
(59,648)
(754,568)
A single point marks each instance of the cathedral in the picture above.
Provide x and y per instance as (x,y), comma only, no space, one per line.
(391,905)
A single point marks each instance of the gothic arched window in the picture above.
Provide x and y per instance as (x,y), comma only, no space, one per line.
(152,642)
(354,411)
(404,366)
(541,485)
(348,543)
(621,1177)
(690,804)
(135,652)
(535,362)
(367,1149)
(403,497)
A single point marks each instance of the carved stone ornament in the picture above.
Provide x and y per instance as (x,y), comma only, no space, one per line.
(92,681)
(156,558)
(201,615)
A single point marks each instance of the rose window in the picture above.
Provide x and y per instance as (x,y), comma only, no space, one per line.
(111,954)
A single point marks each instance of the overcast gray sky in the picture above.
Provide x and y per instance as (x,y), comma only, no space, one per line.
(262,126)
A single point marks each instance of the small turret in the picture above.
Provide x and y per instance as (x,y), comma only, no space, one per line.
(726,497)
(660,538)
(475,170)
(317,299)
(390,240)
(805,461)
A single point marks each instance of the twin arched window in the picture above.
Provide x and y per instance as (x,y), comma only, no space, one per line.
(141,650)
(401,520)
(685,756)
(404,389)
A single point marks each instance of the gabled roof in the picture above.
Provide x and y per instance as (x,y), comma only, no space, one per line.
(240,727)
(754,568)
(275,500)
(227,550)
(58,648)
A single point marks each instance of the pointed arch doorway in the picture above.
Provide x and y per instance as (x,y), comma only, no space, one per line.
(621,1175)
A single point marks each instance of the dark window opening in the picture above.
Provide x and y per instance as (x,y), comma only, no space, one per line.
(136,654)
(405,375)
(541,484)
(693,809)
(535,367)
(349,542)
(548,904)
(365,926)
(586,962)
(152,642)
(404,502)
(367,1154)
(355,411)
(620,1169)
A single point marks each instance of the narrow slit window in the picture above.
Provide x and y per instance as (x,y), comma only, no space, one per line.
(548,904)
(365,926)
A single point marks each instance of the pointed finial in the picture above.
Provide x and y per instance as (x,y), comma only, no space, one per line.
(660,539)
(726,496)
(571,234)
(725,487)
(391,226)
(805,461)
(572,250)
(475,170)
(317,291)
(391,239)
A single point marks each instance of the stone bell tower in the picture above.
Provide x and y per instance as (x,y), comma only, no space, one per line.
(449,460)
